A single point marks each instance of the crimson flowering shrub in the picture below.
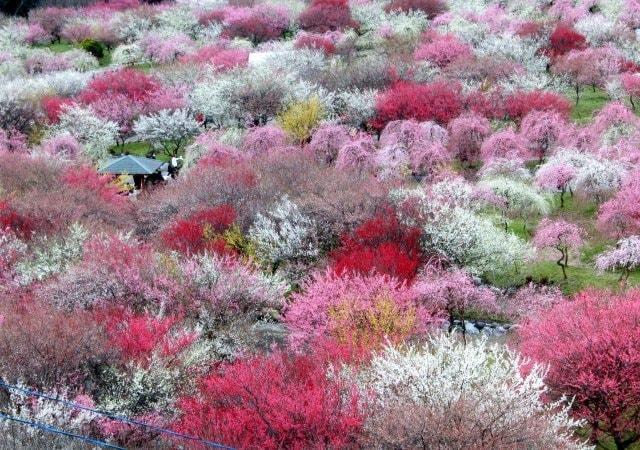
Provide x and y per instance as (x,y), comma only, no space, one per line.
(54,106)
(488,104)
(590,345)
(563,39)
(519,104)
(326,15)
(135,85)
(316,41)
(437,101)
(16,223)
(300,407)
(140,337)
(201,231)
(380,245)
(87,178)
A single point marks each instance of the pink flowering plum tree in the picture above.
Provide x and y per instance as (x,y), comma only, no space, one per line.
(466,134)
(560,235)
(542,131)
(556,178)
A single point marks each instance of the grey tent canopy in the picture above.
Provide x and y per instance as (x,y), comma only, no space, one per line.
(131,165)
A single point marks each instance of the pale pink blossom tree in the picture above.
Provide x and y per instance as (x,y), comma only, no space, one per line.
(625,257)
(556,178)
(560,235)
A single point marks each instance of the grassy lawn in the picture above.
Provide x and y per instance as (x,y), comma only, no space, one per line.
(590,103)
(61,47)
(581,271)
(137,149)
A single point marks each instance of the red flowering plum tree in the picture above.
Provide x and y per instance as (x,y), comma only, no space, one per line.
(274,401)
(380,245)
(437,101)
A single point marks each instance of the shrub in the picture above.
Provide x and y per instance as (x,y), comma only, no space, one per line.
(442,50)
(300,406)
(467,396)
(11,220)
(260,23)
(563,39)
(284,234)
(299,119)
(380,245)
(431,8)
(326,15)
(437,101)
(625,257)
(45,347)
(561,235)
(92,46)
(504,144)
(620,216)
(200,232)
(466,134)
(167,130)
(542,130)
(520,104)
(361,311)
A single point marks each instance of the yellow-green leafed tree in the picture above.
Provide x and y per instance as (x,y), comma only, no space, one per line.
(300,118)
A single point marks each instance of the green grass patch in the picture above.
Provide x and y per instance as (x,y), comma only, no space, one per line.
(57,47)
(138,149)
(591,101)
(578,279)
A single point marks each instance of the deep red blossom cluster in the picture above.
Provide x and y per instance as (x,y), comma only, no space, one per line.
(201,231)
(380,245)
(437,101)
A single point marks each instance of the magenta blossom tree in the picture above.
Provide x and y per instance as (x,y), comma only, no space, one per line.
(561,235)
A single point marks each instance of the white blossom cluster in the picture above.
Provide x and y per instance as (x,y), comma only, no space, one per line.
(284,234)
(96,135)
(445,378)
(53,257)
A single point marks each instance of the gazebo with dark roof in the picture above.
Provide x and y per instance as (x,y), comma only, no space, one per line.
(136,166)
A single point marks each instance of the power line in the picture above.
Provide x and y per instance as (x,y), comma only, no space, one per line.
(50,429)
(116,417)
